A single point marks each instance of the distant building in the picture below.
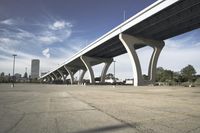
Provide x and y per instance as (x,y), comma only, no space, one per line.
(35,68)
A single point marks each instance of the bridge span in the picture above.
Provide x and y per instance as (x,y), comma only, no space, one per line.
(150,27)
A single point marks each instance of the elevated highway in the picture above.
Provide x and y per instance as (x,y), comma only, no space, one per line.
(150,27)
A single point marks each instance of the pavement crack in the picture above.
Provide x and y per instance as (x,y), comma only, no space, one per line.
(131,125)
(16,123)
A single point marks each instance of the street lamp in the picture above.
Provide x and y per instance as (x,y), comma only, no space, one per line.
(14,55)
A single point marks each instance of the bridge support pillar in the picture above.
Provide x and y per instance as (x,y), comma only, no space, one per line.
(89,61)
(56,77)
(61,74)
(49,80)
(81,76)
(130,42)
(105,69)
(68,69)
(52,77)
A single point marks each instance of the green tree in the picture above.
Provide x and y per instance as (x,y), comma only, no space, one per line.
(163,75)
(177,77)
(167,75)
(159,74)
(188,73)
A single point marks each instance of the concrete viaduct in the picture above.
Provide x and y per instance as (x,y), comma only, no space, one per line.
(150,27)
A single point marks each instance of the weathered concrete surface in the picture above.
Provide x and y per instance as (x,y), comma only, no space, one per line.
(98,109)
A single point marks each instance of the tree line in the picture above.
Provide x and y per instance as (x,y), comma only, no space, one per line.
(186,74)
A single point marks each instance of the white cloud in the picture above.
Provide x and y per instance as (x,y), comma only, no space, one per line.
(28,45)
(8,22)
(4,40)
(49,39)
(56,33)
(59,25)
(22,34)
(8,42)
(175,58)
(4,57)
(197,44)
(46,53)
(19,53)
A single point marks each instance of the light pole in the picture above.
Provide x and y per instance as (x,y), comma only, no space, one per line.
(14,55)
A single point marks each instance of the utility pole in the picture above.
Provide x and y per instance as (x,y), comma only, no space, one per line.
(124,18)
(14,55)
(124,15)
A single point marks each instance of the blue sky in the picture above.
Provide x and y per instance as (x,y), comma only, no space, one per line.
(54,30)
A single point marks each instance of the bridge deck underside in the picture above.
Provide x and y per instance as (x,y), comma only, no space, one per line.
(179,18)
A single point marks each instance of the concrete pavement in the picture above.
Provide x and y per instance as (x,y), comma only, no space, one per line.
(30,108)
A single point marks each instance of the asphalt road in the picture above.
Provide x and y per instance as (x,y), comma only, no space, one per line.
(30,108)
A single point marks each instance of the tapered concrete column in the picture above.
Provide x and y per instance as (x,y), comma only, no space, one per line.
(49,79)
(81,76)
(70,74)
(52,77)
(61,74)
(56,77)
(65,77)
(153,62)
(129,43)
(43,79)
(105,69)
(87,63)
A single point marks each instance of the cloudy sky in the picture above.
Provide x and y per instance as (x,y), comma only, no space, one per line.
(54,30)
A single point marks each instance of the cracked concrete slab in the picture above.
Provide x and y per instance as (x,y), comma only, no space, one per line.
(39,108)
